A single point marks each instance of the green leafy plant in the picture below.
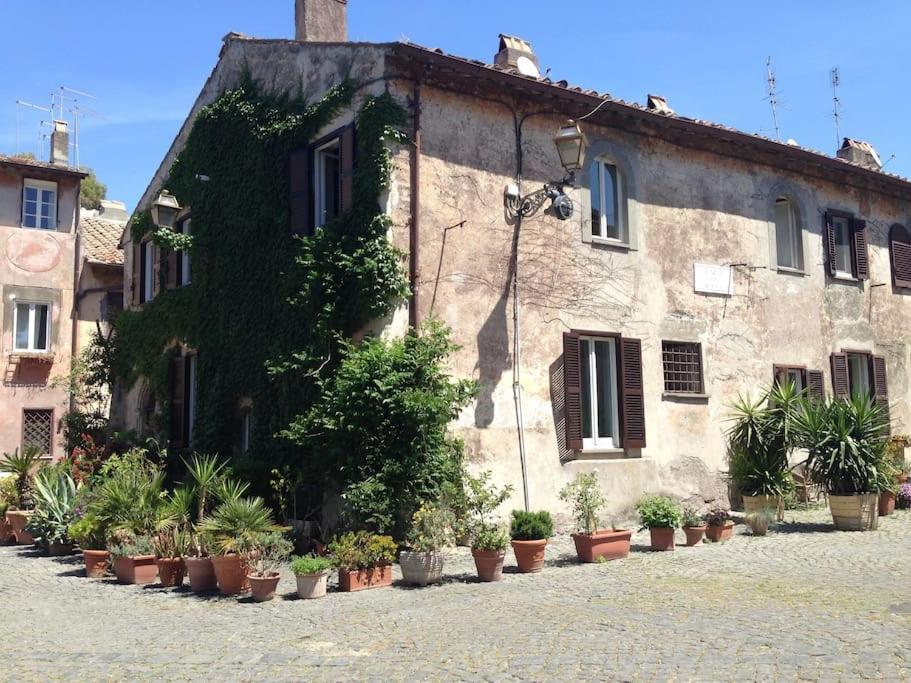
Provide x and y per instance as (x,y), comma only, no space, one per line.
(431,528)
(490,537)
(306,566)
(54,494)
(586,498)
(717,517)
(9,495)
(133,546)
(130,495)
(361,550)
(235,524)
(22,465)
(88,533)
(481,499)
(172,542)
(659,512)
(531,526)
(691,518)
(268,551)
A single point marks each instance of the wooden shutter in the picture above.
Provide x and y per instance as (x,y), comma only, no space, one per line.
(900,255)
(300,192)
(572,390)
(346,154)
(178,403)
(880,386)
(861,257)
(137,274)
(632,399)
(840,386)
(830,244)
(815,386)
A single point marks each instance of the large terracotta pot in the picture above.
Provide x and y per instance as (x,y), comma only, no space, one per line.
(886,503)
(694,534)
(757,503)
(96,563)
(18,520)
(662,537)
(720,532)
(361,579)
(489,564)
(201,573)
(529,555)
(231,573)
(6,530)
(138,569)
(171,571)
(262,588)
(607,544)
(60,549)
(421,569)
(859,512)
(311,586)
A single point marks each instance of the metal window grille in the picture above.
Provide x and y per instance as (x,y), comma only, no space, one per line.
(37,429)
(682,367)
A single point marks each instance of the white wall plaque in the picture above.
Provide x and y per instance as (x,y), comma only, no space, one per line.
(710,279)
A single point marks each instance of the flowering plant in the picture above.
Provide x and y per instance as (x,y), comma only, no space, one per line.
(431,528)
(717,517)
(903,498)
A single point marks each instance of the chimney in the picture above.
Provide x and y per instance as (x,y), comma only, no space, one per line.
(517,55)
(658,104)
(860,153)
(321,21)
(60,144)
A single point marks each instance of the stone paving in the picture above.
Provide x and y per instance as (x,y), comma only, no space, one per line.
(804,603)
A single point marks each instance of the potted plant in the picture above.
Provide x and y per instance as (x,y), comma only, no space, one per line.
(422,562)
(488,548)
(88,533)
(171,544)
(886,501)
(134,559)
(592,544)
(268,551)
(720,526)
(21,466)
(529,532)
(693,526)
(363,559)
(489,541)
(312,574)
(200,570)
(903,497)
(661,516)
(54,496)
(8,497)
(760,520)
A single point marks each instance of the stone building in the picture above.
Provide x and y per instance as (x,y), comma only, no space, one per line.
(698,261)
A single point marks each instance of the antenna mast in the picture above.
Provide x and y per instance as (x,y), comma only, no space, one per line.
(773,96)
(836,106)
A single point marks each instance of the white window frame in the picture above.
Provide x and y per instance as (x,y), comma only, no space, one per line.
(148,282)
(40,186)
(185,274)
(596,442)
(864,359)
(847,274)
(794,235)
(32,329)
(246,428)
(191,398)
(319,176)
(601,234)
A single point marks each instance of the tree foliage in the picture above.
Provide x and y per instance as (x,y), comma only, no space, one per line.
(92,191)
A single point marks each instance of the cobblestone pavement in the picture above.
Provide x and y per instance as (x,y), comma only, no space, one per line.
(805,603)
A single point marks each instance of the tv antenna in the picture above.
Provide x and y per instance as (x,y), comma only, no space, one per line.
(78,111)
(836,105)
(29,105)
(773,96)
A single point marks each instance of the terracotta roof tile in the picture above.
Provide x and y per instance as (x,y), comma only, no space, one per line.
(101,240)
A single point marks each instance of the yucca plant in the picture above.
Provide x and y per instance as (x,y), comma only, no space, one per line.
(234,524)
(21,464)
(54,494)
(206,475)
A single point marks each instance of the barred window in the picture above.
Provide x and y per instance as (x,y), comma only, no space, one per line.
(37,429)
(682,367)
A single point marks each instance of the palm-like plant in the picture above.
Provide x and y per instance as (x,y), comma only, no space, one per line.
(234,524)
(131,499)
(206,473)
(54,493)
(21,464)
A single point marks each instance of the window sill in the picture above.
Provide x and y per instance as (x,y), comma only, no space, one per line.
(615,244)
(845,278)
(784,270)
(684,396)
(604,454)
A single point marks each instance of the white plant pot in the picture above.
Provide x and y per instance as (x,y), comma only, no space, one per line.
(310,586)
(421,569)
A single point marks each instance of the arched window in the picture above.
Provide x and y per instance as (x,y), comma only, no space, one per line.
(607,201)
(788,235)
(900,253)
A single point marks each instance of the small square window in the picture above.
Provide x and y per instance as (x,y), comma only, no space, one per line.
(682,367)
(39,204)
(37,430)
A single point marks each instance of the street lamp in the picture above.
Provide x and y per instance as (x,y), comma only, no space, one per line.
(571,144)
(165,210)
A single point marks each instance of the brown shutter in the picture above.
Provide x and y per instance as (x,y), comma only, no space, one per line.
(572,390)
(900,254)
(840,385)
(815,385)
(300,192)
(880,387)
(861,258)
(632,399)
(830,244)
(137,274)
(346,147)
(178,404)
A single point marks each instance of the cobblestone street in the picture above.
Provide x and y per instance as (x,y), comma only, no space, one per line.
(804,603)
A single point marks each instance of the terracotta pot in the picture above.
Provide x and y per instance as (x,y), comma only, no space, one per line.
(96,563)
(886,503)
(489,564)
(361,579)
(859,512)
(171,571)
(421,569)
(231,573)
(529,555)
(757,503)
(201,574)
(719,532)
(694,534)
(138,569)
(6,530)
(18,520)
(60,549)
(662,538)
(262,588)
(311,586)
(607,544)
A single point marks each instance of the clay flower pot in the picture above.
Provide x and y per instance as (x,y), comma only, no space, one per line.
(262,588)
(18,520)
(719,532)
(694,534)
(231,573)
(201,573)
(6,530)
(350,580)
(608,544)
(171,571)
(311,586)
(60,549)
(529,555)
(489,564)
(858,512)
(886,503)
(662,538)
(421,569)
(139,569)
(96,563)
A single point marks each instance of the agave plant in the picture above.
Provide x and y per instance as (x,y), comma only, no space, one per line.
(21,465)
(234,524)
(54,493)
(130,499)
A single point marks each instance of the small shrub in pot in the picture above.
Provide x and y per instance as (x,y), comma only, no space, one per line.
(661,516)
(134,558)
(903,497)
(88,533)
(489,541)
(719,527)
(693,526)
(267,553)
(431,529)
(592,543)
(312,574)
(529,532)
(363,560)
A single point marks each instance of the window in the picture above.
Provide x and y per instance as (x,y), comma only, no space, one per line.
(39,204)
(846,246)
(32,325)
(859,374)
(606,201)
(111,305)
(147,272)
(791,373)
(327,182)
(788,242)
(600,419)
(682,367)
(37,430)
(900,254)
(184,267)
(183,401)
(843,261)
(246,428)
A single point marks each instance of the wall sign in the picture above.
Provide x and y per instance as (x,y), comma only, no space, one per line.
(710,279)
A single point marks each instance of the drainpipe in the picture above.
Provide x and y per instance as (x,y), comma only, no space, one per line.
(74,313)
(413,233)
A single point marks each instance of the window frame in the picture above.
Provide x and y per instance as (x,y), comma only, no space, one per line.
(184,256)
(800,370)
(147,271)
(619,203)
(857,245)
(32,329)
(596,442)
(39,185)
(867,357)
(664,369)
(319,199)
(795,230)
(50,436)
(847,219)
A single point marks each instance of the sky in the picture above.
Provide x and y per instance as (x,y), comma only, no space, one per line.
(145,62)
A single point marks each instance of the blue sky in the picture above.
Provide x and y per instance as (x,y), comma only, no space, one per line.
(145,62)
